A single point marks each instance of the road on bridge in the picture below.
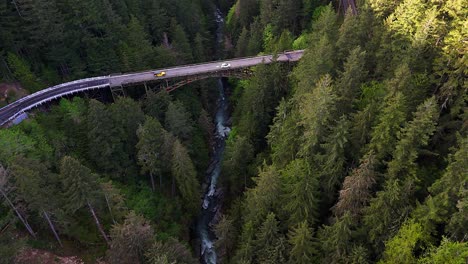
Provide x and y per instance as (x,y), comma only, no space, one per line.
(11,111)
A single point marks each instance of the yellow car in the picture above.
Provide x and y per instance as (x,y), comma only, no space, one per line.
(160,74)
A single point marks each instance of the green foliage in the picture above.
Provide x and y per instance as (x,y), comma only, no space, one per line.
(156,104)
(225,232)
(337,240)
(79,184)
(301,42)
(317,109)
(318,61)
(13,143)
(237,157)
(178,120)
(301,193)
(390,121)
(267,241)
(35,184)
(164,213)
(303,245)
(284,135)
(22,72)
(130,240)
(10,247)
(349,81)
(401,247)
(186,176)
(415,135)
(102,138)
(172,250)
(259,98)
(150,141)
(180,43)
(344,112)
(135,50)
(447,252)
(264,197)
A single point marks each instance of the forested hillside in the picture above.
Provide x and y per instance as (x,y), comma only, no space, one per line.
(358,153)
(43,42)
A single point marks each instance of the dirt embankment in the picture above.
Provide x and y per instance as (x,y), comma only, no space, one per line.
(38,256)
(10,92)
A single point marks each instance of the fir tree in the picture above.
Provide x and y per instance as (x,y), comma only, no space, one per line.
(301,193)
(149,145)
(303,247)
(186,176)
(130,240)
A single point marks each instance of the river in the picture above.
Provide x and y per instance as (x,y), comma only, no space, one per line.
(211,200)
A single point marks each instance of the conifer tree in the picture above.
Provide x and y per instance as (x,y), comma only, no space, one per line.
(225,233)
(150,141)
(246,248)
(390,121)
(356,191)
(173,250)
(4,189)
(401,247)
(126,116)
(23,73)
(185,175)
(303,248)
(242,43)
(35,184)
(178,121)
(337,240)
(284,135)
(156,104)
(102,137)
(317,110)
(267,237)
(264,197)
(447,202)
(135,50)
(300,193)
(349,81)
(332,160)
(415,135)
(447,252)
(388,210)
(256,40)
(199,51)
(80,189)
(238,155)
(180,43)
(130,240)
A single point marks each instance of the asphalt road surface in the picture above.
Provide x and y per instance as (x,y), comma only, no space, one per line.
(11,111)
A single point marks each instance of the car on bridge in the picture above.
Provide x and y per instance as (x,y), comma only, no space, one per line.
(225,65)
(160,74)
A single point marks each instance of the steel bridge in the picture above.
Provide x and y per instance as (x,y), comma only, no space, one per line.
(173,78)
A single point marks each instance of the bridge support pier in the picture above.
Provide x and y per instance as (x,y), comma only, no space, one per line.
(118,91)
(146,88)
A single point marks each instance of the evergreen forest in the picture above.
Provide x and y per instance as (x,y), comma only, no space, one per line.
(357,153)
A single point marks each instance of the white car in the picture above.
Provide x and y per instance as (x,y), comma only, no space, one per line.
(225,65)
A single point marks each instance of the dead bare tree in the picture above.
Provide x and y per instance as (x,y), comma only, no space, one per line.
(4,188)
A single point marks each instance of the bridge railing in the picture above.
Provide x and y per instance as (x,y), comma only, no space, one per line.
(53,88)
(140,72)
(207,62)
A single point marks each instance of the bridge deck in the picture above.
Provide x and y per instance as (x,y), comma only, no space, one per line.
(14,109)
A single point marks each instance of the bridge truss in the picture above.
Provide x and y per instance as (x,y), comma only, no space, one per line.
(173,84)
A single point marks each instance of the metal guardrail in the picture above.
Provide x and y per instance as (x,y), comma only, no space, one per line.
(207,62)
